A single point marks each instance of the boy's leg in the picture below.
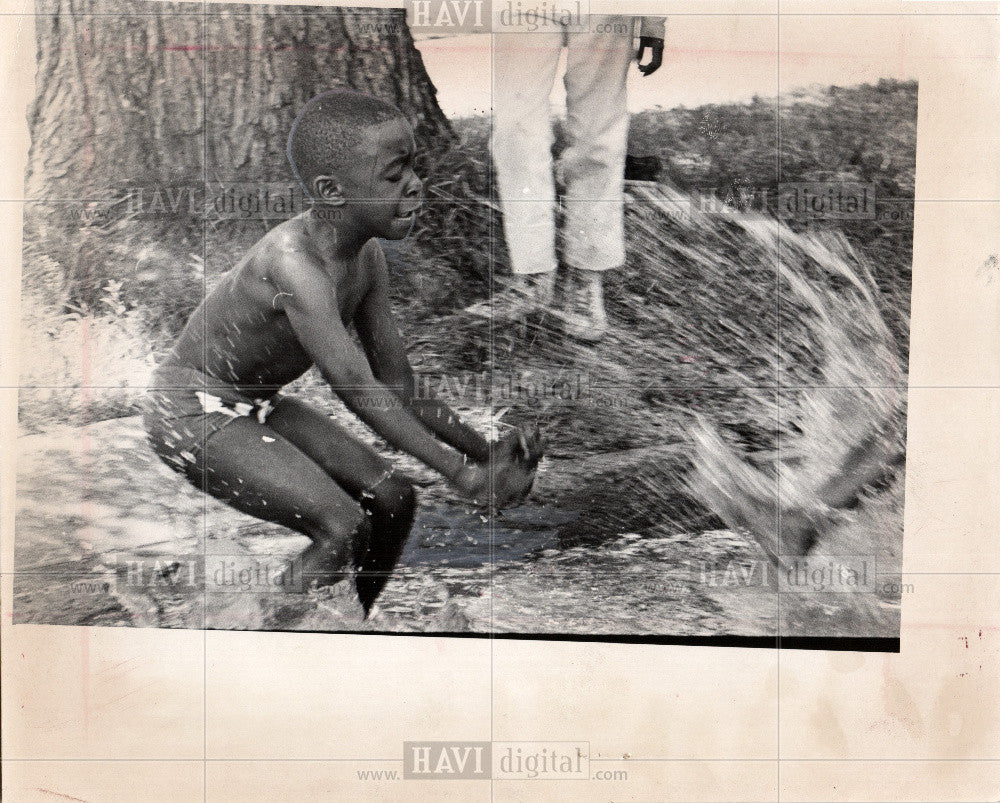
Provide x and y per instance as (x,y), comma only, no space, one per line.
(389,502)
(254,469)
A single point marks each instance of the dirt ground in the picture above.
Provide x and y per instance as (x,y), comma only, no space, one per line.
(107,535)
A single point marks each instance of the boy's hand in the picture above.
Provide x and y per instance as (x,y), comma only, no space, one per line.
(515,461)
(513,465)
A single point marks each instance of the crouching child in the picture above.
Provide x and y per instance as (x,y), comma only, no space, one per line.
(216,412)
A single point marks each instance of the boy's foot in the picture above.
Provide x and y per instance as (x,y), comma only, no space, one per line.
(520,298)
(323,564)
(583,314)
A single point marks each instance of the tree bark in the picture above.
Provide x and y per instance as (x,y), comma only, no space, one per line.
(264,65)
(167,94)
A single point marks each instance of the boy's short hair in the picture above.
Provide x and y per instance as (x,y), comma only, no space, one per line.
(329,128)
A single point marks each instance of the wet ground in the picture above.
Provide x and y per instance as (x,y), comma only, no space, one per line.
(107,535)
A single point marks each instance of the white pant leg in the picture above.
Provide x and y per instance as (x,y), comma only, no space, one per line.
(524,69)
(597,125)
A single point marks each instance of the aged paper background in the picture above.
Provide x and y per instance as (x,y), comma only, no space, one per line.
(122,714)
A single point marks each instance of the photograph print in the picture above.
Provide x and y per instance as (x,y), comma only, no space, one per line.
(465,319)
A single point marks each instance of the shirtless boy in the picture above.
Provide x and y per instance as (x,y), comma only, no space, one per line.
(216,414)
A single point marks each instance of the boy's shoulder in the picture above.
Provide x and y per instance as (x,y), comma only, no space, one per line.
(288,250)
(289,255)
(292,238)
(286,239)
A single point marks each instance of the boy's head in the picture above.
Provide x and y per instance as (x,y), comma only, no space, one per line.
(355,152)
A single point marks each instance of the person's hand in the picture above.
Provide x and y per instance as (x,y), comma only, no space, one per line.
(511,468)
(655,46)
(515,462)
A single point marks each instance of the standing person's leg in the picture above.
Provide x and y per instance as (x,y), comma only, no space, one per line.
(594,162)
(524,69)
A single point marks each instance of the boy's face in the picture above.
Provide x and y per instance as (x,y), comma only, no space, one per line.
(382,193)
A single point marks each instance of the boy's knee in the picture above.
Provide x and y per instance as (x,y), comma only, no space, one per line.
(338,525)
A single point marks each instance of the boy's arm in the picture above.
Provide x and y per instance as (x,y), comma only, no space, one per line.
(308,297)
(379,332)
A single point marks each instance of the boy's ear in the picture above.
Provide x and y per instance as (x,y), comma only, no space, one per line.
(328,189)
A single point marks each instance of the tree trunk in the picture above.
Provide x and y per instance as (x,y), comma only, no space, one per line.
(265,66)
(128,96)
